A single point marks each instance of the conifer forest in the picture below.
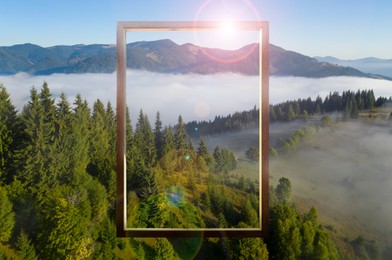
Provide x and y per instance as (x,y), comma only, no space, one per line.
(58,183)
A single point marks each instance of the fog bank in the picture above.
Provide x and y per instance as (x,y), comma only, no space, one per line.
(196,97)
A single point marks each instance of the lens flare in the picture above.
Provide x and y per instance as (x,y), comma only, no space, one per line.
(227,12)
(202,109)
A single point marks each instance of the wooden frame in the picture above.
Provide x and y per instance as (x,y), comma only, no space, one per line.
(121,218)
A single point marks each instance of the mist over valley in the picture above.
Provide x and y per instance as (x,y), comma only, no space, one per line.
(345,171)
(194,96)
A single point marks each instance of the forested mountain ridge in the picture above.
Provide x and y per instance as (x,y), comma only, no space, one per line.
(163,56)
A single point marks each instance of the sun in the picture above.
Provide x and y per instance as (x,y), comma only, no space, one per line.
(227,27)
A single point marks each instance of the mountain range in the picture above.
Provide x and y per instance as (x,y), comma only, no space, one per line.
(165,56)
(367,65)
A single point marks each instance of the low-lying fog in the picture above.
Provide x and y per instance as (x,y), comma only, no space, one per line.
(196,97)
(346,172)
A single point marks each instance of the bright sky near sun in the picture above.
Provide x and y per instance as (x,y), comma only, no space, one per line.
(347,29)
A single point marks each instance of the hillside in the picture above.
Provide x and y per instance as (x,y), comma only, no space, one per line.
(163,56)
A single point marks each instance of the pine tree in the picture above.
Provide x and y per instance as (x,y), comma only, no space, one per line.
(217,154)
(191,146)
(9,134)
(48,106)
(355,111)
(144,141)
(279,113)
(7,221)
(164,249)
(110,120)
(312,216)
(283,190)
(203,152)
(286,238)
(80,135)
(248,248)
(65,225)
(181,135)
(158,135)
(250,215)
(36,152)
(290,114)
(308,232)
(252,154)
(272,114)
(49,127)
(25,248)
(222,220)
(144,154)
(169,142)
(102,162)
(129,149)
(63,146)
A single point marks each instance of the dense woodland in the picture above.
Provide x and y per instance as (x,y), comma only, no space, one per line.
(348,103)
(58,179)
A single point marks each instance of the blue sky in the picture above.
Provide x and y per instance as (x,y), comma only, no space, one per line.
(345,29)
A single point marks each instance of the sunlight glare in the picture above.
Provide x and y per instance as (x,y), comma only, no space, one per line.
(227,27)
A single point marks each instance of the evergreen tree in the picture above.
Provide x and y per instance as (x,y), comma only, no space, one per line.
(283,190)
(347,111)
(218,157)
(318,105)
(49,109)
(169,143)
(129,129)
(107,238)
(144,141)
(252,154)
(272,114)
(308,232)
(290,114)
(250,215)
(129,149)
(354,111)
(203,152)
(80,135)
(9,134)
(241,183)
(181,135)
(164,249)
(286,238)
(248,248)
(370,100)
(191,146)
(110,120)
(63,141)
(25,247)
(36,152)
(158,135)
(101,159)
(323,247)
(7,221)
(65,225)
(312,216)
